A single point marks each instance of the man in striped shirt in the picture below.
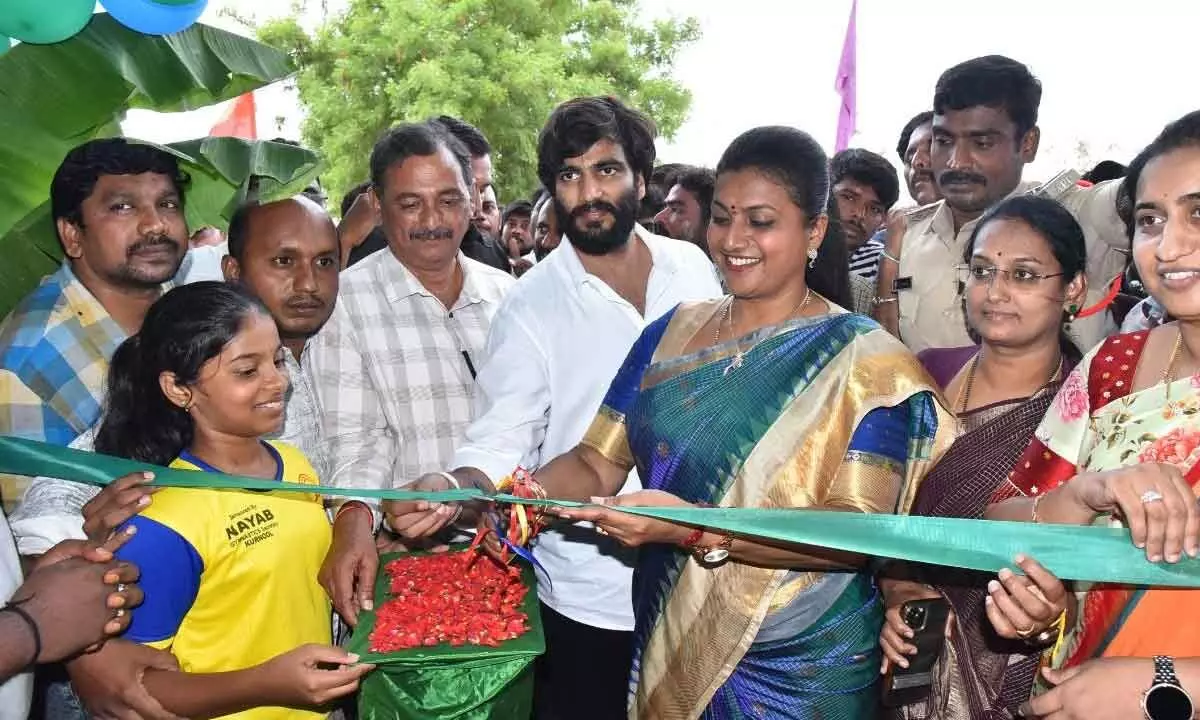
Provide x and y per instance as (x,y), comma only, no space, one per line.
(866,187)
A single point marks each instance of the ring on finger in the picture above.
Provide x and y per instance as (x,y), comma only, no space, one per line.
(601,530)
(1151,496)
(121,587)
(1027,632)
(119,613)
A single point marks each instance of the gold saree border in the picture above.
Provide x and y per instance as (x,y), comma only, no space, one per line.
(715,614)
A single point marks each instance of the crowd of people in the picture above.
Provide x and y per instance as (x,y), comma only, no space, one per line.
(782,331)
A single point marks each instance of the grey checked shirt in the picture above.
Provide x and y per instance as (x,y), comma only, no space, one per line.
(392,371)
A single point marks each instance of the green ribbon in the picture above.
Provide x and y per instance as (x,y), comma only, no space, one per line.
(1072,552)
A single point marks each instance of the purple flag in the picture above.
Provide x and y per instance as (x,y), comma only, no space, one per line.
(846,84)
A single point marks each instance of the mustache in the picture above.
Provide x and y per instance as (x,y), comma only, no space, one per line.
(306,300)
(442,233)
(961,177)
(151,241)
(595,205)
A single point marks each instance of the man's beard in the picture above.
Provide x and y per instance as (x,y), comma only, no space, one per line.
(598,241)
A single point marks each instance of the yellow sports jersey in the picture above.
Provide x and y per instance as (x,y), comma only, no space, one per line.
(230,576)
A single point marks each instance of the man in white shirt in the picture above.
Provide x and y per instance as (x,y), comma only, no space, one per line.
(556,342)
(393,371)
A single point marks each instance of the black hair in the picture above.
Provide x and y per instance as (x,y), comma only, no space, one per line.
(921,118)
(991,81)
(576,125)
(538,196)
(516,207)
(667,174)
(1105,170)
(183,329)
(829,275)
(1061,231)
(239,227)
(477,145)
(874,171)
(76,176)
(700,182)
(1182,133)
(352,195)
(793,159)
(416,140)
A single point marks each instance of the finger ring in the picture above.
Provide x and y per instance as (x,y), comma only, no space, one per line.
(1028,632)
(120,588)
(120,613)
(1151,496)
(601,530)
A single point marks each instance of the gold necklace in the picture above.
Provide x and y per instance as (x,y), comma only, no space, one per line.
(727,316)
(1168,375)
(964,395)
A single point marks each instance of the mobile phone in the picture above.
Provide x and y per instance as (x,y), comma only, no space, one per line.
(927,618)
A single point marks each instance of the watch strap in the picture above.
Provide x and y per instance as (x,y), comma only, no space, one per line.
(1164,671)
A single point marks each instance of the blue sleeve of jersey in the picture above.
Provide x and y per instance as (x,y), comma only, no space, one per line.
(170,579)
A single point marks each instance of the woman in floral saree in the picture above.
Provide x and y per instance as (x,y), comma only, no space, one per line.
(774,397)
(1120,443)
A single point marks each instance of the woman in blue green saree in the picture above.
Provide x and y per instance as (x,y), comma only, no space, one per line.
(772,397)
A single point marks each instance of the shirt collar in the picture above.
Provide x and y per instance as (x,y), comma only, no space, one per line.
(84,305)
(400,283)
(662,260)
(943,219)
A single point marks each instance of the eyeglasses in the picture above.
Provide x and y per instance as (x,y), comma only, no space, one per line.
(1017,278)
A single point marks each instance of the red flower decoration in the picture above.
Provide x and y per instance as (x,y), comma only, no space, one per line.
(460,598)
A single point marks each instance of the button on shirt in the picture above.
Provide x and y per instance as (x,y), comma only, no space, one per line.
(931,314)
(391,371)
(556,342)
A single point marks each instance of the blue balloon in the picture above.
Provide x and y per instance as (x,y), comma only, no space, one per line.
(155,18)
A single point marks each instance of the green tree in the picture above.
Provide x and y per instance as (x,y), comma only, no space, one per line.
(502,65)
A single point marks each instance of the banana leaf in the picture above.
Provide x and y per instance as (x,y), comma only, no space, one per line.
(54,97)
(223,172)
(445,682)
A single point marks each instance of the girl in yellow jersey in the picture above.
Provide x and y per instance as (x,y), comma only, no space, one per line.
(230,577)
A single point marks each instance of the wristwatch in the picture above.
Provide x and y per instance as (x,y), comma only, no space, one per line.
(716,554)
(1166,699)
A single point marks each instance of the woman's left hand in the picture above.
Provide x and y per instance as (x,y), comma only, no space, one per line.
(627,528)
(1103,689)
(1022,606)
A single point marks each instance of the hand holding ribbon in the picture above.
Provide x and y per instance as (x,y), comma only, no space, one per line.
(627,529)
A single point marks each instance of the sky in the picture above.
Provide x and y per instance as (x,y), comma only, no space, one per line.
(764,62)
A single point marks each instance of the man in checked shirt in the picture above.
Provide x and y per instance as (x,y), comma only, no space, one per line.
(393,370)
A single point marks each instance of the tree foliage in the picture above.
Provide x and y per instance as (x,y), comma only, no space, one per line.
(501,65)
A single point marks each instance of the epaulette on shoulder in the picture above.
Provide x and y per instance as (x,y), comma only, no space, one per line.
(1058,186)
(923,212)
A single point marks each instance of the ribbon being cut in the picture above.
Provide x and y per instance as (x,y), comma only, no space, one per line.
(1072,552)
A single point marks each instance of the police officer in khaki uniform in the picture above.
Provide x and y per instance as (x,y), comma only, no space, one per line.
(984,133)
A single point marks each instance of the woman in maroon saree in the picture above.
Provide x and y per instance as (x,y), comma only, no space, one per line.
(1023,276)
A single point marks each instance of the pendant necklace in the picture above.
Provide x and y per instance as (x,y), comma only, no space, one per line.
(727,317)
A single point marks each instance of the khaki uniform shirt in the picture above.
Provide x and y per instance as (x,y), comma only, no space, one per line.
(930,301)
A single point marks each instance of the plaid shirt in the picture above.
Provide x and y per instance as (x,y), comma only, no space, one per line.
(54,353)
(392,372)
